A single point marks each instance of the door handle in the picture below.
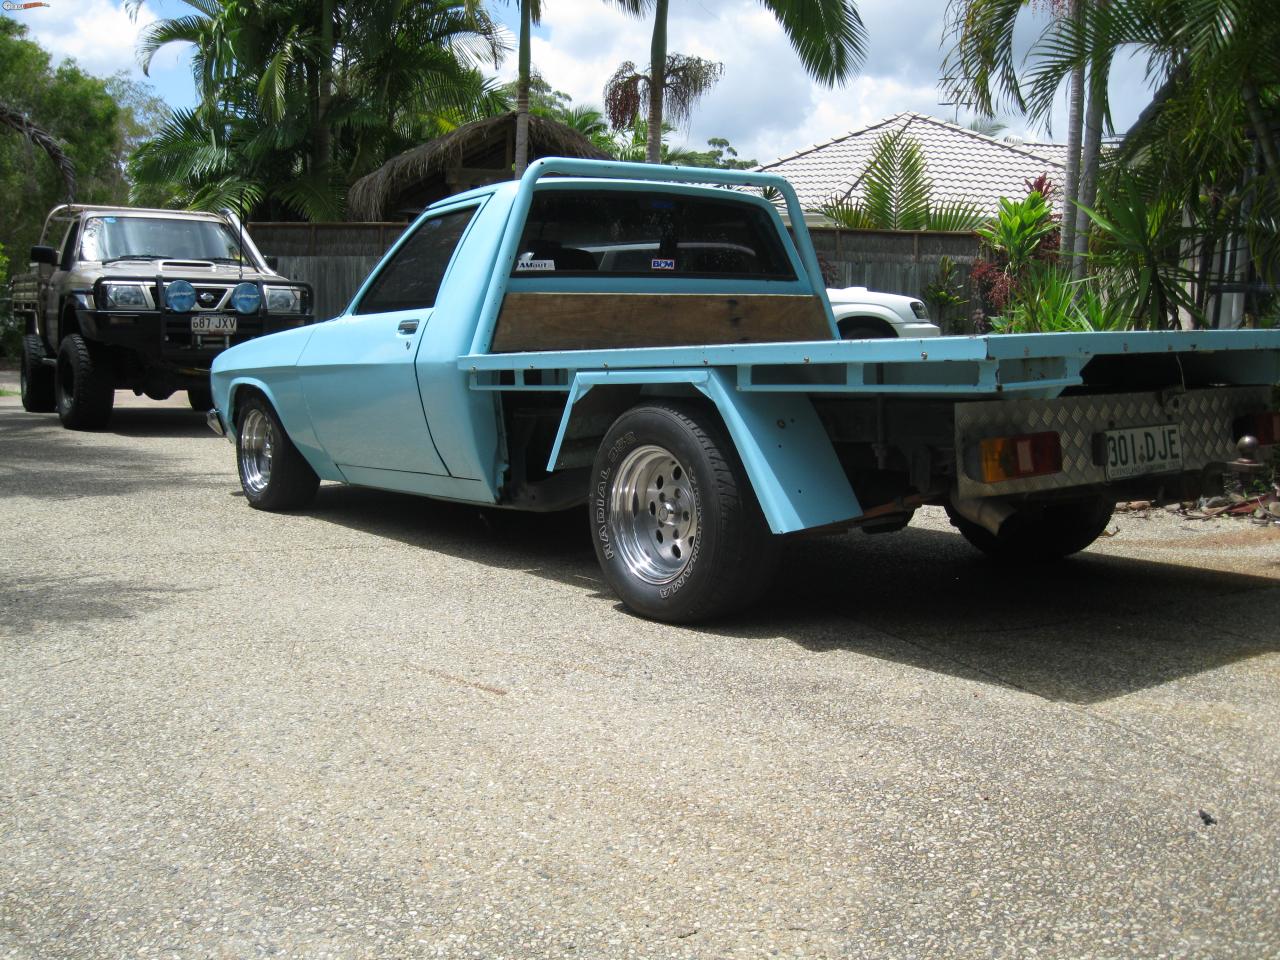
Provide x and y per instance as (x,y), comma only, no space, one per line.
(408,326)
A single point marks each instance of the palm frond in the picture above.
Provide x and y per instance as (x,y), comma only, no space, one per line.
(15,120)
(827,35)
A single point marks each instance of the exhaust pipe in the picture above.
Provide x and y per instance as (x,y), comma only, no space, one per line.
(988,512)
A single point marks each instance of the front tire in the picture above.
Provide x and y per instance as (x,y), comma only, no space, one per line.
(273,474)
(83,386)
(676,526)
(37,378)
(1038,533)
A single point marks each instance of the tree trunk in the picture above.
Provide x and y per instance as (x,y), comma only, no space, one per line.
(1258,120)
(322,144)
(1071,189)
(522,92)
(1089,167)
(657,81)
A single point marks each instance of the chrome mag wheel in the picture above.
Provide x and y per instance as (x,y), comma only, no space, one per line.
(256,442)
(654,514)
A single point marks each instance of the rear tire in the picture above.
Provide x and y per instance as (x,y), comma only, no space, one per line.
(1040,533)
(83,387)
(677,529)
(273,474)
(200,398)
(37,377)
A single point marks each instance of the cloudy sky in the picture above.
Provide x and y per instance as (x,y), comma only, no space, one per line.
(765,104)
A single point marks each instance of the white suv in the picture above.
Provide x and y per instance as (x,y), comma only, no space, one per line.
(863,314)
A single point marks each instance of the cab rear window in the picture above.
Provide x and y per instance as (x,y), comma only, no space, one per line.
(650,233)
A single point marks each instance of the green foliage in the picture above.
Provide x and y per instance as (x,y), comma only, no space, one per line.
(10,333)
(85,122)
(945,294)
(1204,155)
(897,194)
(299,99)
(632,146)
(1137,249)
(1017,231)
(1047,300)
(721,156)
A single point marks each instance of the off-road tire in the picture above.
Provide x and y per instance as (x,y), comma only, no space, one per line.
(83,387)
(732,557)
(273,474)
(200,398)
(37,377)
(1039,533)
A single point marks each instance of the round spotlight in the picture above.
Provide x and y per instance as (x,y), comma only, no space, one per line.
(180,296)
(246,298)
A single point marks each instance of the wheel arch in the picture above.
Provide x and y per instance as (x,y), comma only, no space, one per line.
(301,434)
(868,318)
(68,321)
(783,446)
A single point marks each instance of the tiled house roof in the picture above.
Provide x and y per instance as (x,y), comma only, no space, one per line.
(962,164)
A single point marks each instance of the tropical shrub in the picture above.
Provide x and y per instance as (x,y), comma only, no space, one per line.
(945,295)
(1017,231)
(1137,251)
(1047,300)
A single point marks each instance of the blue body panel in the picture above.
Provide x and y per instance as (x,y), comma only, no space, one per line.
(421,411)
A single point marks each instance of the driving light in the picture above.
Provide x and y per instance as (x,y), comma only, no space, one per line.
(1027,455)
(180,296)
(246,298)
(117,296)
(283,299)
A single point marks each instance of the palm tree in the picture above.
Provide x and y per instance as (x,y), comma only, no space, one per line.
(827,35)
(1207,142)
(686,80)
(16,120)
(530,15)
(300,98)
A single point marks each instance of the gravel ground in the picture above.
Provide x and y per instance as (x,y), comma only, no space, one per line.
(387,727)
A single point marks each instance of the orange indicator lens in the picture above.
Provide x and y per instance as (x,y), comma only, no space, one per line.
(1028,455)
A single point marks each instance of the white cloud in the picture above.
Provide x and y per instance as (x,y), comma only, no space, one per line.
(98,34)
(765,104)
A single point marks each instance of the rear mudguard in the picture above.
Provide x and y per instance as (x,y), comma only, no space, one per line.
(786,452)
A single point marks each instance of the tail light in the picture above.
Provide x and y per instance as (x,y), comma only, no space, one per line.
(1025,455)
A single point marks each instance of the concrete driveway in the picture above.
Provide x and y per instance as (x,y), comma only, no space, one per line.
(387,727)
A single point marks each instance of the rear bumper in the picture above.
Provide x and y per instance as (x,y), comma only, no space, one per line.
(1205,420)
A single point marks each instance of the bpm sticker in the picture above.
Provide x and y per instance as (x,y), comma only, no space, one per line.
(661,264)
(523,266)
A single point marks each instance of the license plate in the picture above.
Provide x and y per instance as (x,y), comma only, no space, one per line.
(213,326)
(1141,450)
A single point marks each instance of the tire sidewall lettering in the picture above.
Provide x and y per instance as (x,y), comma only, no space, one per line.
(600,505)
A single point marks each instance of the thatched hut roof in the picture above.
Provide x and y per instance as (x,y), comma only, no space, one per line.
(474,154)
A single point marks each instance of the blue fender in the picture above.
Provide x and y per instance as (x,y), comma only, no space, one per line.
(787,454)
(270,365)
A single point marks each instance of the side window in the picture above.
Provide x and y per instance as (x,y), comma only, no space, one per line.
(411,279)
